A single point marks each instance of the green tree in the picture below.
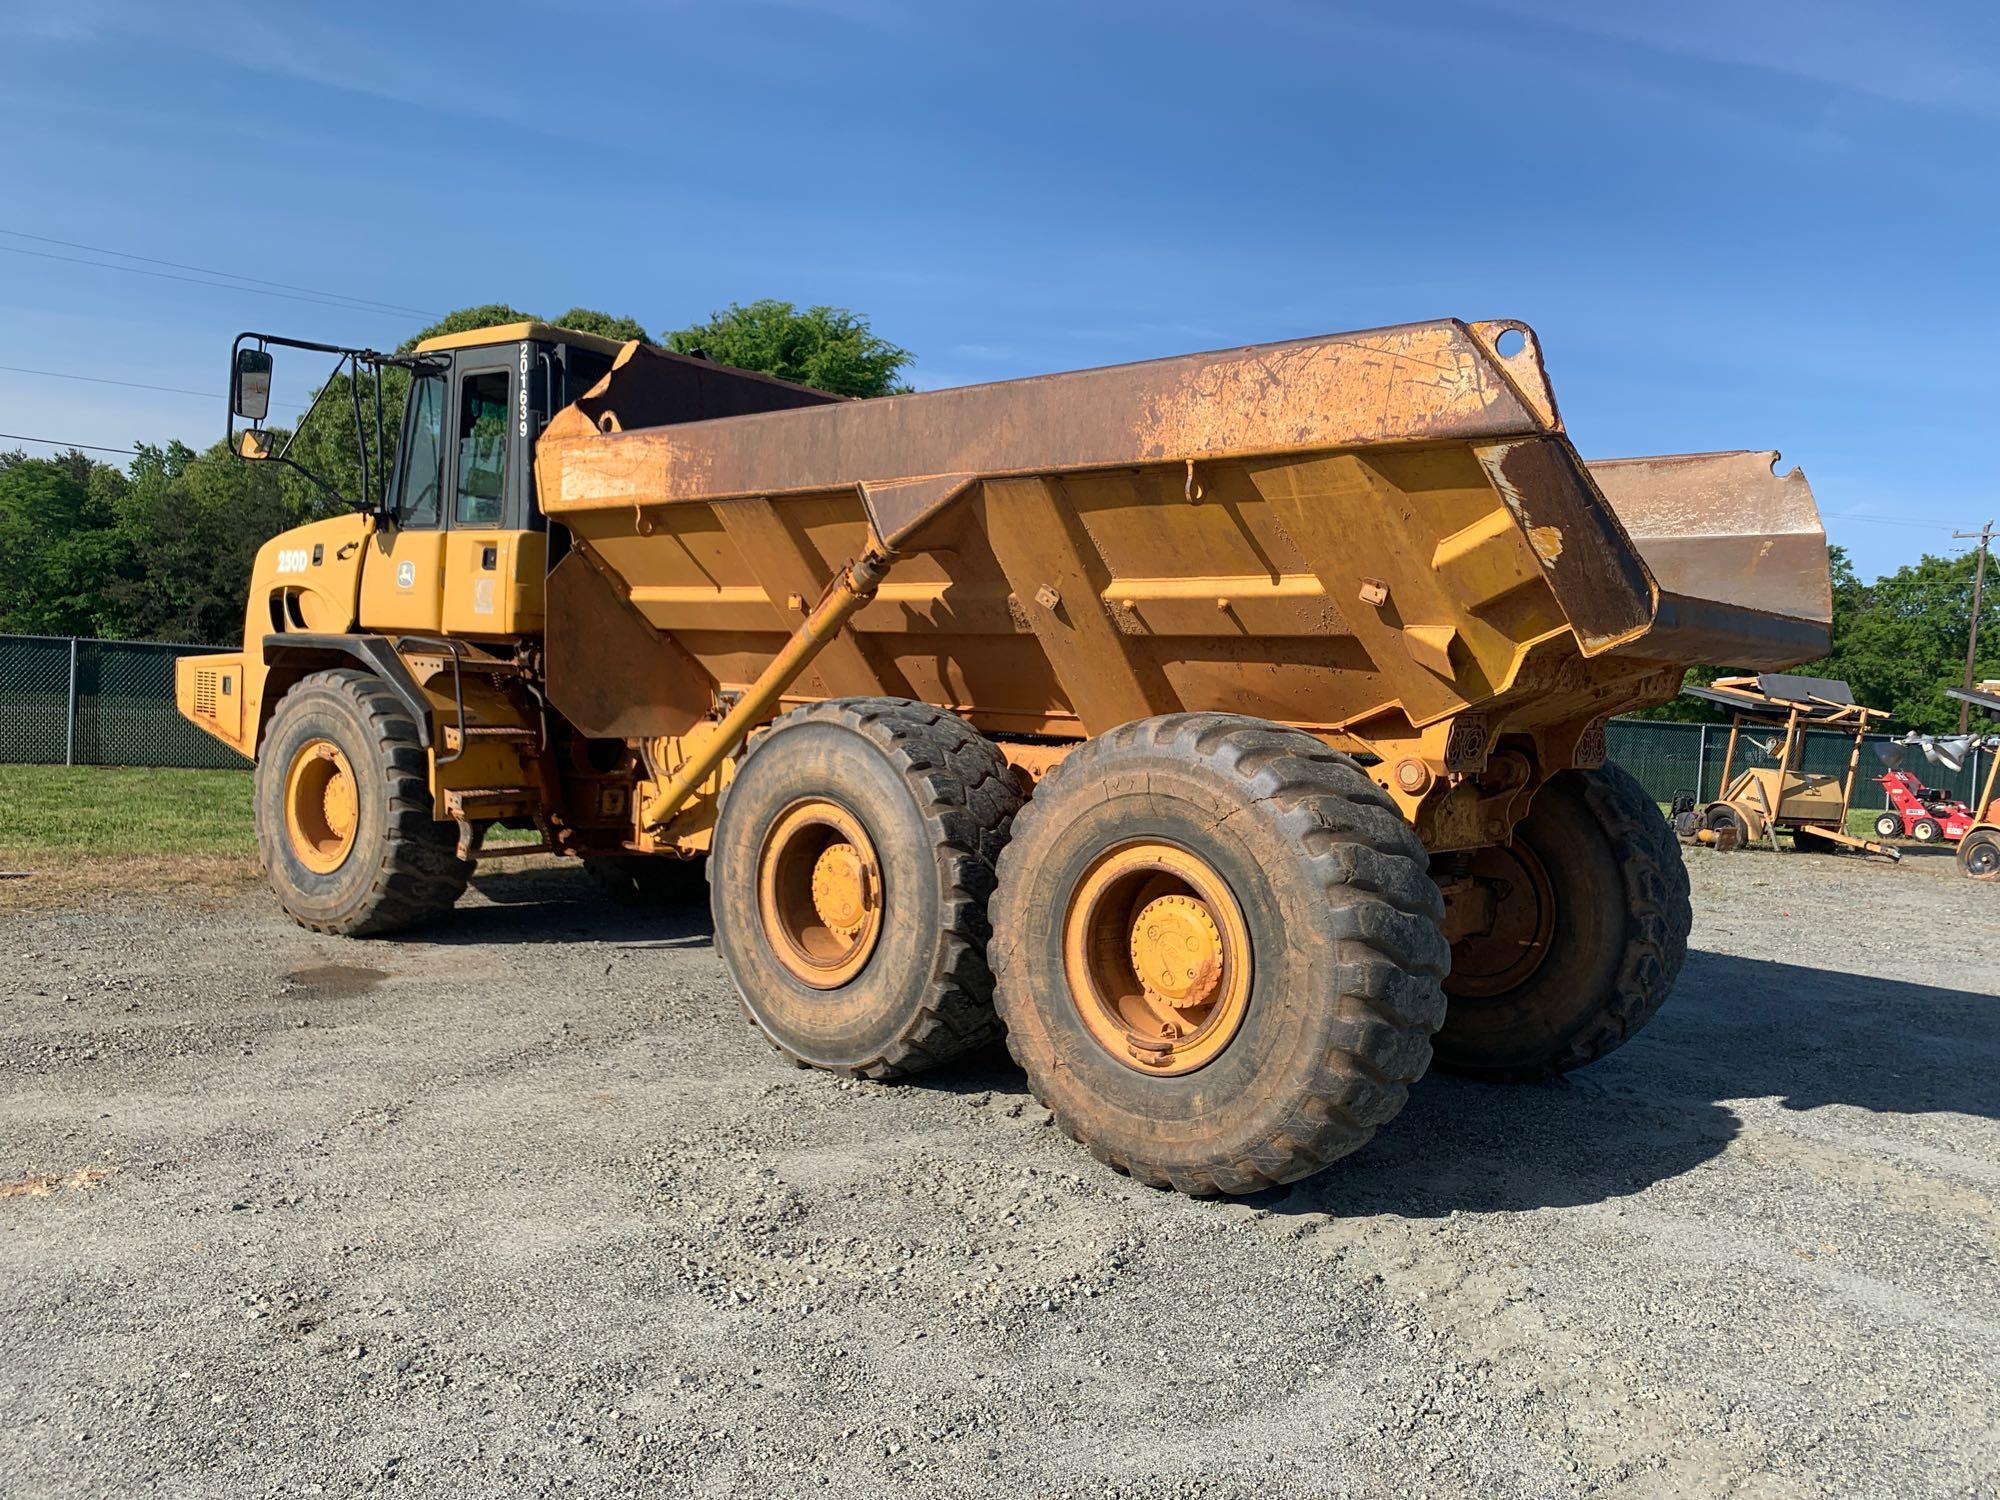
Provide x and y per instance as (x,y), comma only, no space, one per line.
(589,320)
(1902,642)
(193,523)
(466,319)
(60,548)
(828,348)
(1898,642)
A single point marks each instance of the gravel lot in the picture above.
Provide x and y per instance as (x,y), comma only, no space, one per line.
(524,1206)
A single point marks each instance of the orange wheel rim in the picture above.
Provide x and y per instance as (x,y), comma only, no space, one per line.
(1513,928)
(322,806)
(1157,956)
(819,893)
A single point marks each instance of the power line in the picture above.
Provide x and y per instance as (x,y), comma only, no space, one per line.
(221,286)
(1889,520)
(172,390)
(18,437)
(43,239)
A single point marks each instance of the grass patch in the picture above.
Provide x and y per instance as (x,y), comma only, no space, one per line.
(72,830)
(107,811)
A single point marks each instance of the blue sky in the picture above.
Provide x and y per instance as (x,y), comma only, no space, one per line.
(1733,225)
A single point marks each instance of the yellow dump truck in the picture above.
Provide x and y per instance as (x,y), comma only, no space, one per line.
(1226,730)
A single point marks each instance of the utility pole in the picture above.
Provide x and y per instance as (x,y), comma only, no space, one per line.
(1984,535)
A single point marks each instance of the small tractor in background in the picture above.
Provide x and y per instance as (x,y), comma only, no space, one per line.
(1761,801)
(1979,847)
(1922,813)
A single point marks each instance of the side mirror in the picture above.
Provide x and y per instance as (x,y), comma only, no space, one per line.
(254,444)
(250,385)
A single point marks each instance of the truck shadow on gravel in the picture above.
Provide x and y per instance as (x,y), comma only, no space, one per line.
(1734,1029)
(560,905)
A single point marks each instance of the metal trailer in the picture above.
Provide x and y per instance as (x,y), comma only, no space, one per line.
(1760,801)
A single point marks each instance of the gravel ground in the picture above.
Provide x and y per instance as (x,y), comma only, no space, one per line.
(524,1206)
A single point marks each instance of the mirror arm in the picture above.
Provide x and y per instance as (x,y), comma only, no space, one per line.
(374,470)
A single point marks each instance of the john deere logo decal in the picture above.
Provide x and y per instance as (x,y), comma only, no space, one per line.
(406,575)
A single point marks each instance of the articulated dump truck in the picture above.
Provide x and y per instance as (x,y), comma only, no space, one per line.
(1226,731)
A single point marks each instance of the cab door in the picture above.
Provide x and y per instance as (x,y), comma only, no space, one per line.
(403,572)
(495,549)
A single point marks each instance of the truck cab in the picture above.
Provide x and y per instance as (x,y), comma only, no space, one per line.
(448,543)
(461,548)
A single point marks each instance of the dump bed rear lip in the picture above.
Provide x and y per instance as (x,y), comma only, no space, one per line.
(1738,551)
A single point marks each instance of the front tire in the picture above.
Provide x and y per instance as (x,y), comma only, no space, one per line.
(853,857)
(1217,952)
(1926,830)
(1578,932)
(1979,855)
(1888,826)
(343,802)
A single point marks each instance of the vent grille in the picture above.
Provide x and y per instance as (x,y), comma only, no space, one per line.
(204,692)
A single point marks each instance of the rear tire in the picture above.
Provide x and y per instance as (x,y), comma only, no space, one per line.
(645,881)
(1599,956)
(1979,855)
(1296,898)
(854,855)
(1926,830)
(1888,826)
(369,858)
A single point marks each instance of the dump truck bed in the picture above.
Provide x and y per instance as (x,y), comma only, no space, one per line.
(1363,534)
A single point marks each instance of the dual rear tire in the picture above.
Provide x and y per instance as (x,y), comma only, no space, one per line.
(1212,944)
(1218,952)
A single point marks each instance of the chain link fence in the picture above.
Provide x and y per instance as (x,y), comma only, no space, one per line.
(78,702)
(111,703)
(1670,757)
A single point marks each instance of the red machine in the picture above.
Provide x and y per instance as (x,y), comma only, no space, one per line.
(1920,812)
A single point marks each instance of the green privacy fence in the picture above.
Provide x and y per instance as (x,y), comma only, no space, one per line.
(79,702)
(111,703)
(1669,758)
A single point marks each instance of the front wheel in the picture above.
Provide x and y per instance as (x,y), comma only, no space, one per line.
(343,802)
(1979,854)
(1567,941)
(1217,952)
(1888,826)
(1926,830)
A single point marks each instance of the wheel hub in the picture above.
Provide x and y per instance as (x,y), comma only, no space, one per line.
(1500,916)
(322,806)
(1157,957)
(819,893)
(1177,952)
(840,889)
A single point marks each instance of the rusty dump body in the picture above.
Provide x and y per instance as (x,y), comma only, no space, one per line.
(1385,538)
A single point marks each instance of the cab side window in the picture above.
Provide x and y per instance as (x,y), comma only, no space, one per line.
(422,484)
(482,449)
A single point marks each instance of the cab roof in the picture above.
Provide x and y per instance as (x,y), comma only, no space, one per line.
(514,333)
